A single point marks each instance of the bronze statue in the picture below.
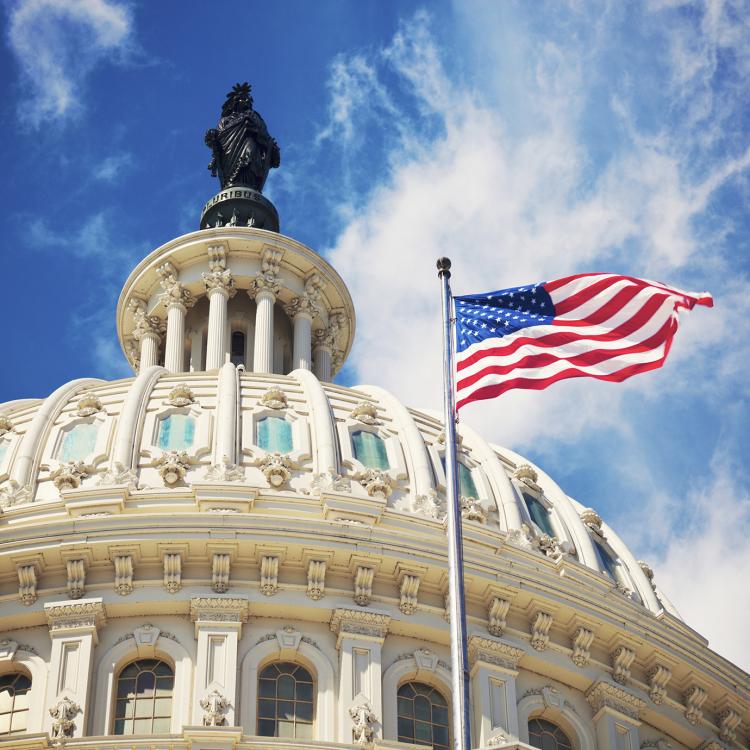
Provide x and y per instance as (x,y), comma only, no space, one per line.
(243,150)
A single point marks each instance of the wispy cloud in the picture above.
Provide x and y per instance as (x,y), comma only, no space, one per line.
(57,44)
(514,198)
(113,167)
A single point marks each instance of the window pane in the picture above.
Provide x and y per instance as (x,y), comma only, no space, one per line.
(163,707)
(423,731)
(18,721)
(78,442)
(304,691)
(286,729)
(274,435)
(162,726)
(422,708)
(285,709)
(405,707)
(142,726)
(539,514)
(405,729)
(547,736)
(286,686)
(304,731)
(607,561)
(285,701)
(267,689)
(429,707)
(267,709)
(176,432)
(136,707)
(267,728)
(304,711)
(370,450)
(6,701)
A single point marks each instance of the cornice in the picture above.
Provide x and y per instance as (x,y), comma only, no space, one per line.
(603,695)
(493,652)
(359,624)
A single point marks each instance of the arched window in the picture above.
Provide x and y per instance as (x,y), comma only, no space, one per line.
(144,698)
(238,348)
(274,435)
(466,484)
(14,702)
(286,701)
(539,514)
(548,736)
(422,716)
(78,442)
(176,432)
(608,563)
(369,450)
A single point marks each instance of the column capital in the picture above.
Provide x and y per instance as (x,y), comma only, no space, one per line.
(75,616)
(268,279)
(327,338)
(174,294)
(366,626)
(219,281)
(304,305)
(145,324)
(493,652)
(605,696)
(213,611)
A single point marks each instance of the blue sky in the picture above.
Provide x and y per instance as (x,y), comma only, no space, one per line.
(525,140)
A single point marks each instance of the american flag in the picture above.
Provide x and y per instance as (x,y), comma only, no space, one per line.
(598,325)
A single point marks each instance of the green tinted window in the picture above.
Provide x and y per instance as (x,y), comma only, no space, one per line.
(78,442)
(274,435)
(539,514)
(176,432)
(369,450)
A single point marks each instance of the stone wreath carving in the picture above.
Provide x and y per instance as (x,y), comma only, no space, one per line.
(172,466)
(276,468)
(377,483)
(68,476)
(215,707)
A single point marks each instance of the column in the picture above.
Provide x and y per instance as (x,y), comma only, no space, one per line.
(147,332)
(219,288)
(73,628)
(263,347)
(616,716)
(493,688)
(322,353)
(218,627)
(196,350)
(301,311)
(174,349)
(360,637)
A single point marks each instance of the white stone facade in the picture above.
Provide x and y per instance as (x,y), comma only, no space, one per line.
(222,518)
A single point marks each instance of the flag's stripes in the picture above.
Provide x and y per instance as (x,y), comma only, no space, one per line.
(604,326)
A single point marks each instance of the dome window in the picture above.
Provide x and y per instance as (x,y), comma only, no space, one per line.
(608,563)
(176,432)
(548,736)
(423,716)
(274,435)
(286,701)
(14,702)
(78,442)
(369,450)
(539,514)
(144,698)
(238,348)
(466,485)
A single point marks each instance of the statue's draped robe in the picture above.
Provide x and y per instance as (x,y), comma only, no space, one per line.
(245,150)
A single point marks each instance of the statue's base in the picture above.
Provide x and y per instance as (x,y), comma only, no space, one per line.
(240,207)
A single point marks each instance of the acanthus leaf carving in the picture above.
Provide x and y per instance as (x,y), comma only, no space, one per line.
(694,698)
(376,482)
(363,720)
(363,578)
(274,398)
(220,567)
(582,640)
(172,572)
(471,510)
(225,471)
(408,593)
(88,405)
(658,679)
(365,412)
(276,468)
(76,583)
(328,481)
(540,628)
(215,707)
(172,466)
(316,579)
(181,395)
(63,714)
(69,475)
(622,657)
(269,575)
(496,614)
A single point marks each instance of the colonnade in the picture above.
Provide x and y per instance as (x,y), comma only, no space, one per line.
(312,350)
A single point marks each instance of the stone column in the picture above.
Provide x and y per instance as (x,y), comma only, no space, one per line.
(218,627)
(196,350)
(73,628)
(219,288)
(616,716)
(147,332)
(493,688)
(360,640)
(324,343)
(301,311)
(177,300)
(264,288)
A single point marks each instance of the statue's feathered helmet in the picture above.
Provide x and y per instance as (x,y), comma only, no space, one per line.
(238,100)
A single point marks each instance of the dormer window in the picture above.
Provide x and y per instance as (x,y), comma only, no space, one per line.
(274,435)
(78,442)
(539,514)
(176,432)
(369,450)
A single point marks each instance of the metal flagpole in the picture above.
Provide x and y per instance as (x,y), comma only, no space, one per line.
(457,605)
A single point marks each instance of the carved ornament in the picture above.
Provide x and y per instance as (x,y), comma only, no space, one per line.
(181,395)
(274,398)
(363,720)
(489,651)
(276,468)
(316,579)
(526,474)
(63,713)
(355,622)
(376,482)
(210,609)
(5,425)
(225,471)
(172,466)
(215,707)
(497,611)
(607,695)
(329,481)
(81,614)
(88,405)
(174,293)
(592,520)
(365,412)
(429,505)
(68,476)
(471,510)
(582,640)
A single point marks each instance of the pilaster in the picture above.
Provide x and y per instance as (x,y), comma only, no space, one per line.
(360,637)
(493,685)
(73,628)
(218,627)
(616,716)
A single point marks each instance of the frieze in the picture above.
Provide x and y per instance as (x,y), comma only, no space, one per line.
(212,609)
(356,622)
(490,651)
(79,614)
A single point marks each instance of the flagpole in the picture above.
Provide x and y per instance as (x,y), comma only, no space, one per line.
(457,605)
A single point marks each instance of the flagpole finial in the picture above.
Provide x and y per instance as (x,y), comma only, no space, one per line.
(444,267)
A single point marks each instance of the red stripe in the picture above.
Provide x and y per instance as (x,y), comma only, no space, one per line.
(550,286)
(491,391)
(585,359)
(611,308)
(584,295)
(558,339)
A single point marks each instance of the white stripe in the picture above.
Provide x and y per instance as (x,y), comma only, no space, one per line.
(590,306)
(578,285)
(571,349)
(608,367)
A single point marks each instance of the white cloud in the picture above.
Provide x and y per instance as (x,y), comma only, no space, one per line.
(512,205)
(57,44)
(112,167)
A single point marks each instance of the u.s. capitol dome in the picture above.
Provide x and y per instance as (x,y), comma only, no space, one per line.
(228,550)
